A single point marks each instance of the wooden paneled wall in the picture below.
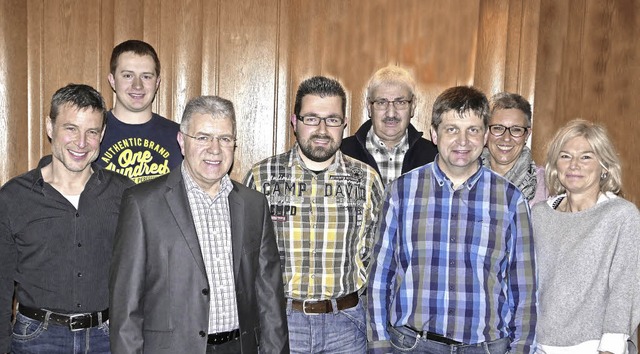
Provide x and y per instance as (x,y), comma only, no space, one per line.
(569,58)
(589,67)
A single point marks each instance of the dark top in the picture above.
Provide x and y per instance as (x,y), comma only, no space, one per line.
(59,256)
(140,151)
(421,151)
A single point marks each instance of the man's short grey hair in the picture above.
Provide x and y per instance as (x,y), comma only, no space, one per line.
(214,105)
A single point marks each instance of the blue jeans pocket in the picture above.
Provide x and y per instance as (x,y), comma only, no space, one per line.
(402,342)
(104,327)
(357,316)
(26,328)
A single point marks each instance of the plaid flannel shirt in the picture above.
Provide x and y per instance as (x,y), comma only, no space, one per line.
(324,222)
(455,262)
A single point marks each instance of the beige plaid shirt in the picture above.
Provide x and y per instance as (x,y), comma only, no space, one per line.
(324,222)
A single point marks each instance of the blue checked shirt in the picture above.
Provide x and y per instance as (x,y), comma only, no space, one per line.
(456,262)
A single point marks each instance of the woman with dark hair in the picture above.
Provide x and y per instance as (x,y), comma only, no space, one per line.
(506,152)
(587,247)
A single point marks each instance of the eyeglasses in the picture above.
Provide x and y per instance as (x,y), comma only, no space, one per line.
(329,121)
(383,105)
(206,140)
(516,131)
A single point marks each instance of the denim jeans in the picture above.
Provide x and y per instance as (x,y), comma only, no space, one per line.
(34,337)
(338,332)
(404,340)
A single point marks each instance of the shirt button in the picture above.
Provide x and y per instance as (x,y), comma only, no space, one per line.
(202,334)
(79,275)
(78,305)
(313,276)
(77,215)
(79,244)
(205,291)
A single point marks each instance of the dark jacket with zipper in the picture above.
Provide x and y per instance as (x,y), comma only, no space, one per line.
(421,151)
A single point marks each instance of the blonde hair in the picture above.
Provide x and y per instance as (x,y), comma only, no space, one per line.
(596,135)
(391,74)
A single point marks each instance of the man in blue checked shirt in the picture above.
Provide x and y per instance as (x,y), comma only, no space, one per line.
(453,268)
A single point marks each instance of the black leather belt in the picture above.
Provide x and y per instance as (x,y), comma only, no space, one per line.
(74,322)
(435,337)
(223,337)
(324,306)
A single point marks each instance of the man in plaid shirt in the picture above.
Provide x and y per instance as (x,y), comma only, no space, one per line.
(453,268)
(324,207)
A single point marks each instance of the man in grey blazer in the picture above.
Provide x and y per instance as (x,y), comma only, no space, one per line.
(195,266)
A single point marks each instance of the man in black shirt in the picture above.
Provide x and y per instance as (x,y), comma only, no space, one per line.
(57,224)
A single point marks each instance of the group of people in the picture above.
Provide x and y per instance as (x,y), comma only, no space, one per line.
(131,237)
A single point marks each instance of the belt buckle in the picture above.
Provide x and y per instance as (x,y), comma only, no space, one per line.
(73,320)
(304,307)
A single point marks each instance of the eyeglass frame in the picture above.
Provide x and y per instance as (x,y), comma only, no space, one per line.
(208,139)
(386,103)
(526,129)
(320,120)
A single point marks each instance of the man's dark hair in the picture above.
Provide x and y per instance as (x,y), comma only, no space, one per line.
(78,96)
(461,99)
(320,86)
(137,47)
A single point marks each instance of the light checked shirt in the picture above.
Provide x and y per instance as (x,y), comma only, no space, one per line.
(213,226)
(459,263)
(323,222)
(389,160)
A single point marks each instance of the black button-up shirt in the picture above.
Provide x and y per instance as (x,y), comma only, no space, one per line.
(58,255)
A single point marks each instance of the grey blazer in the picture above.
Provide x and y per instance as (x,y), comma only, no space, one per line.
(159,293)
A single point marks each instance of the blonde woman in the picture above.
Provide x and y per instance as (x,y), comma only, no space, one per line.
(587,247)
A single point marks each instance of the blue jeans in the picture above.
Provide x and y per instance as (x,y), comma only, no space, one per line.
(404,340)
(338,332)
(34,337)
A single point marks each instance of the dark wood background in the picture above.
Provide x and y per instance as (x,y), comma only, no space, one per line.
(570,58)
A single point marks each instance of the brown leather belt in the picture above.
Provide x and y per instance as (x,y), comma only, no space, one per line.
(74,322)
(324,306)
(222,337)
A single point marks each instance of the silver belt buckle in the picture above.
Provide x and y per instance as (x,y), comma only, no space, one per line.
(72,321)
(304,307)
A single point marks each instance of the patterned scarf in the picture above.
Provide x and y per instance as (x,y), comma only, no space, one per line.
(522,174)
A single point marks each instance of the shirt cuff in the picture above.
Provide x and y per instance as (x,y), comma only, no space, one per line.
(379,347)
(615,343)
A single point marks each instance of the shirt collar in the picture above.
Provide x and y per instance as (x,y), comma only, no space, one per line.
(442,178)
(375,140)
(96,177)
(295,159)
(191,186)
